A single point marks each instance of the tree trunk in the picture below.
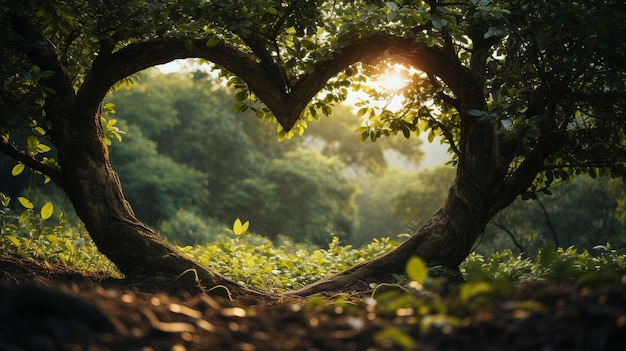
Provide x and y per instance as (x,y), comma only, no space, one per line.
(445,240)
(95,191)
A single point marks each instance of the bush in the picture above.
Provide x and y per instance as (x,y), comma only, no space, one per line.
(187,228)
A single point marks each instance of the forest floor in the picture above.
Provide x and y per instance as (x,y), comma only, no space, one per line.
(49,307)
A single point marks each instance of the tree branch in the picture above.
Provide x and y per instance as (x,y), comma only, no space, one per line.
(511,235)
(41,52)
(12,151)
(549,223)
(286,106)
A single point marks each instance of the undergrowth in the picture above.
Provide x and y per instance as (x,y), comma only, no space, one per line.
(420,301)
(257,262)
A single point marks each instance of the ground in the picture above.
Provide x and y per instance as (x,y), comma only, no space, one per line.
(49,307)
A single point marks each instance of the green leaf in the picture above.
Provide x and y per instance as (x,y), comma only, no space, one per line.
(41,148)
(47,210)
(416,269)
(188,44)
(241,96)
(240,228)
(31,144)
(471,289)
(240,107)
(4,200)
(25,202)
(17,169)
(109,107)
(211,43)
(14,240)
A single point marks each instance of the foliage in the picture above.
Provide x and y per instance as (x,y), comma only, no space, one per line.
(423,303)
(316,199)
(40,235)
(188,228)
(224,171)
(583,213)
(255,261)
(143,170)
(419,200)
(560,265)
(258,262)
(364,158)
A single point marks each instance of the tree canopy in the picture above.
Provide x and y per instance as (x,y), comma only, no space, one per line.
(525,93)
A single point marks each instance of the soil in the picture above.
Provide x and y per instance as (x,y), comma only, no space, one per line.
(50,307)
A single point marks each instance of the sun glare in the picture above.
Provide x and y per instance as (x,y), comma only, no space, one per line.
(395,78)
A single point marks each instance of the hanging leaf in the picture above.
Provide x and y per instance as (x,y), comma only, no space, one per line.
(31,144)
(17,169)
(47,210)
(41,148)
(25,202)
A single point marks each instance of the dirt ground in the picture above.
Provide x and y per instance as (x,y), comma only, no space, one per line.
(45,307)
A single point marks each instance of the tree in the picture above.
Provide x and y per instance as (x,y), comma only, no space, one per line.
(524,92)
(307,199)
(316,202)
(582,213)
(420,200)
(156,184)
(340,140)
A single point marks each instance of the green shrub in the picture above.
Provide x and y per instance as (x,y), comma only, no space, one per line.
(50,238)
(187,228)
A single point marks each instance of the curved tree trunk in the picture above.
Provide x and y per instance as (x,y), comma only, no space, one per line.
(95,191)
(484,184)
(446,240)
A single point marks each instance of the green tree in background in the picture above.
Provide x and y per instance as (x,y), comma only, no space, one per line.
(583,212)
(156,184)
(374,203)
(523,92)
(315,198)
(421,198)
(340,140)
(229,176)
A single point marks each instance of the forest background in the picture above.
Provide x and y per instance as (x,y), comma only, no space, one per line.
(190,182)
